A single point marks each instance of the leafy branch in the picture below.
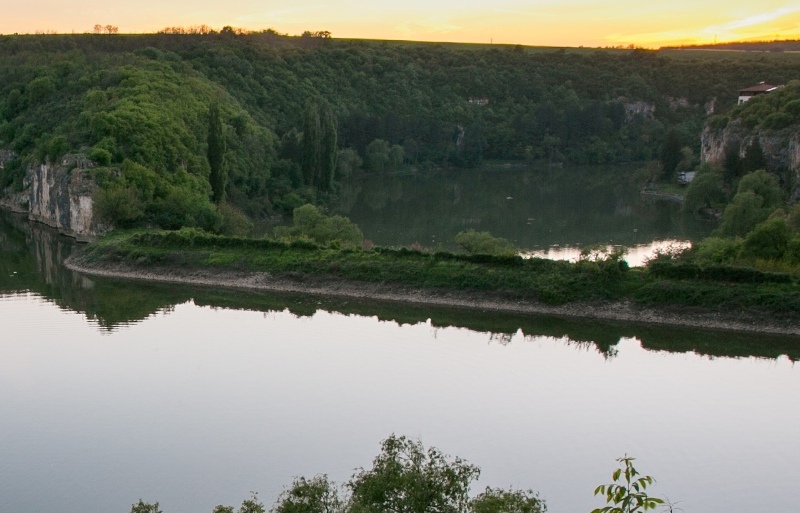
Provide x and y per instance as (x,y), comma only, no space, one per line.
(627,493)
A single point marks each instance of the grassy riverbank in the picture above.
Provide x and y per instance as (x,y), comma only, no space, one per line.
(675,284)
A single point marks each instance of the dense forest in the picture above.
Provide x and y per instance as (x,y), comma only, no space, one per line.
(181,126)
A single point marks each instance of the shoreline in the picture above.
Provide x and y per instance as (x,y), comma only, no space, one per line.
(619,311)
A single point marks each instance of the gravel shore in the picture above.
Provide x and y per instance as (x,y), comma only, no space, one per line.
(626,311)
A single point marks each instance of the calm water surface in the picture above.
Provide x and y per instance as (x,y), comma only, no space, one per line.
(114,391)
(546,212)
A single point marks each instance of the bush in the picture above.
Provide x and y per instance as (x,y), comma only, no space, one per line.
(119,206)
(718,122)
(484,243)
(101,156)
(234,222)
(769,240)
(777,121)
(309,222)
(720,273)
(717,250)
(182,207)
(743,214)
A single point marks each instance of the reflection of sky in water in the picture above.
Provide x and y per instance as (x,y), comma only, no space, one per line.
(197,406)
(636,256)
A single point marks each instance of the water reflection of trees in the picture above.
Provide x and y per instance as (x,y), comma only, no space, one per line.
(531,207)
(31,261)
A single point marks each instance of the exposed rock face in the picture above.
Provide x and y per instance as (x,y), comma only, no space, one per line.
(781,148)
(677,103)
(59,195)
(62,198)
(5,156)
(638,109)
(710,106)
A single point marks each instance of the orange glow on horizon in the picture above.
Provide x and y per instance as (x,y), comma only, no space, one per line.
(545,23)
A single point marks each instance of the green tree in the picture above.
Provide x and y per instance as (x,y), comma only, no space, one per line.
(769,240)
(312,143)
(794,218)
(252,505)
(732,163)
(234,222)
(496,500)
(754,158)
(743,214)
(704,191)
(329,151)
(396,156)
(320,139)
(757,196)
(218,177)
(119,206)
(145,507)
(764,185)
(57,148)
(309,222)
(305,218)
(687,162)
(670,155)
(337,228)
(407,478)
(315,495)
(718,250)
(377,156)
(627,494)
(348,163)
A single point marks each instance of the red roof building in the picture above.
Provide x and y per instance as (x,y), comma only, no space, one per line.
(748,92)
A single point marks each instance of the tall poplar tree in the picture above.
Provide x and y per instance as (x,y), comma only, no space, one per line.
(218,177)
(312,144)
(320,145)
(329,152)
(670,155)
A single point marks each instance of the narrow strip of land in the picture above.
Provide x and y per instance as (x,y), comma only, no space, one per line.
(624,310)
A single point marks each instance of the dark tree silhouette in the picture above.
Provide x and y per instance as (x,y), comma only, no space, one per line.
(218,177)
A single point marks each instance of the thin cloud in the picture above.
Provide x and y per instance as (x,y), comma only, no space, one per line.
(757,19)
(749,27)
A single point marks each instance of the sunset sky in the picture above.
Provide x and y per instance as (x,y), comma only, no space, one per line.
(535,22)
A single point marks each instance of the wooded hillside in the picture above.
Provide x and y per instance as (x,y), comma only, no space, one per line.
(139,106)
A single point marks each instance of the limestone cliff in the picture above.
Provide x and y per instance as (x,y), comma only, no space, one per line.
(59,195)
(781,148)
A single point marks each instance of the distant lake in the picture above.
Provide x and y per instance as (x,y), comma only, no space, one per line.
(549,212)
(113,391)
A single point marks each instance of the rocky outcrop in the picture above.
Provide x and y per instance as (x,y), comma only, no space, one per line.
(781,148)
(639,109)
(59,195)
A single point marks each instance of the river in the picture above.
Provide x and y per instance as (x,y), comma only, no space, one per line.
(544,212)
(114,391)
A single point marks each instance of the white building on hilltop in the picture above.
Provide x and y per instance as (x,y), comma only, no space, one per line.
(748,92)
